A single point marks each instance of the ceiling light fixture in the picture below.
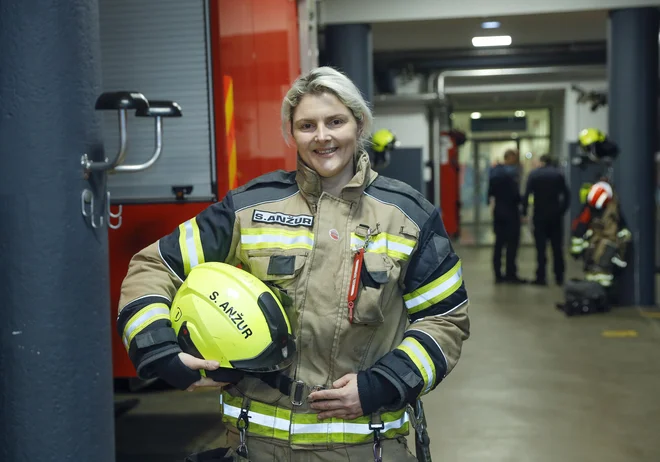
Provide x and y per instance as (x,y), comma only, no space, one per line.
(520,113)
(492,41)
(475,115)
(490,25)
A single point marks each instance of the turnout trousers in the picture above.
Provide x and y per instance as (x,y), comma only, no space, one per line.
(268,450)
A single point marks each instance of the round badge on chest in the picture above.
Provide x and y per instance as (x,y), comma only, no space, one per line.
(334,234)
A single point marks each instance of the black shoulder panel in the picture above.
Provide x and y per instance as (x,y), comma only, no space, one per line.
(402,195)
(270,187)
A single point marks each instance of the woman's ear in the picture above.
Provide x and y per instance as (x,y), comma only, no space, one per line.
(360,128)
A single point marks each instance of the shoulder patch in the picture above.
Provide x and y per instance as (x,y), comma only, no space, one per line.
(405,197)
(270,187)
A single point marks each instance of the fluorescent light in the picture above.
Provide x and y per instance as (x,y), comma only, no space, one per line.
(490,25)
(475,115)
(520,113)
(492,41)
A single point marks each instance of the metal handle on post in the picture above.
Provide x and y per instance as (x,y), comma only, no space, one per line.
(121,102)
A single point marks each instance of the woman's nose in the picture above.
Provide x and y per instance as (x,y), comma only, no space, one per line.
(321,134)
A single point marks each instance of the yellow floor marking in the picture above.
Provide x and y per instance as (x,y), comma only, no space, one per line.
(651,314)
(620,333)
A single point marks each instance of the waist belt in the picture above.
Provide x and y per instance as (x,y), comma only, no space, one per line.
(270,421)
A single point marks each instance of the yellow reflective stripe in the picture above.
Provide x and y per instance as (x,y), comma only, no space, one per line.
(265,420)
(306,428)
(142,319)
(263,238)
(422,360)
(435,291)
(273,422)
(413,357)
(190,244)
(394,246)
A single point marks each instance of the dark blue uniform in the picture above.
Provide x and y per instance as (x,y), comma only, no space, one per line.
(551,201)
(504,187)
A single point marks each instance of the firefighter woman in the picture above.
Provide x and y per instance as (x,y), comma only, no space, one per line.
(363,266)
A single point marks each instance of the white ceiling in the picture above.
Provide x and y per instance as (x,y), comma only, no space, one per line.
(525,30)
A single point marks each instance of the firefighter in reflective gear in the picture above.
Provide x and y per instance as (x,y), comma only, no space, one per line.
(364,269)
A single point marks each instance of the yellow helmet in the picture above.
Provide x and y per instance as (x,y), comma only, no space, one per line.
(383,140)
(589,136)
(226,314)
(597,146)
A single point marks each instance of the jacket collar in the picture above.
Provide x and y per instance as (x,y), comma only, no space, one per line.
(309,181)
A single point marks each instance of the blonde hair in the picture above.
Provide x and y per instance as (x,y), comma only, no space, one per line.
(328,80)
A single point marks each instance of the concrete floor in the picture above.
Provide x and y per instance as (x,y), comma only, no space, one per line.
(532,385)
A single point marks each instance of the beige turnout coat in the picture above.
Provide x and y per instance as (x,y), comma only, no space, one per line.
(410,317)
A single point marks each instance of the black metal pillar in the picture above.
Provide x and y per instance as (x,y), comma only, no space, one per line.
(633,123)
(349,48)
(56,400)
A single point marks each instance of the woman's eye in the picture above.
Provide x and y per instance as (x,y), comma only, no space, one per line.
(306,126)
(337,122)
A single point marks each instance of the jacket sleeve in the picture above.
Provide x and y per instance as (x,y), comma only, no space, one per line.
(155,274)
(437,302)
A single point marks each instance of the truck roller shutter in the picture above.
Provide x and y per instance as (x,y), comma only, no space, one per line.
(159,48)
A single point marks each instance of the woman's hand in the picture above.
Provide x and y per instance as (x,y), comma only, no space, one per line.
(342,401)
(196,364)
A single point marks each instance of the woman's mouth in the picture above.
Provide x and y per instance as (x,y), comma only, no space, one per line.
(325,152)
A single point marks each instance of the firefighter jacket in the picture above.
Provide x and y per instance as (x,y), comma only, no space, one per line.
(410,317)
(601,238)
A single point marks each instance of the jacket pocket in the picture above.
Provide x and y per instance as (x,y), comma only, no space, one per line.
(276,267)
(280,272)
(374,278)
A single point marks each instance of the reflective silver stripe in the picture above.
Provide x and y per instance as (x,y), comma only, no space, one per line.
(436,342)
(190,244)
(398,247)
(345,427)
(257,418)
(167,264)
(413,302)
(167,300)
(276,238)
(305,428)
(423,358)
(142,319)
(379,243)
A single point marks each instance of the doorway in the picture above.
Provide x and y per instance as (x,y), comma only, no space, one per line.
(475,213)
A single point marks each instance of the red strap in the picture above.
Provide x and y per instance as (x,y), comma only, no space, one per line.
(355,282)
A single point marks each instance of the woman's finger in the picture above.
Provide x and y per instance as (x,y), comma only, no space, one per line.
(327,405)
(330,394)
(197,364)
(339,383)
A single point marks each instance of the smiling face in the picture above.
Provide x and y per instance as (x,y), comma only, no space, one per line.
(325,132)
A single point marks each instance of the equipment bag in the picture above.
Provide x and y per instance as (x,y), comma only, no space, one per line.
(583,297)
